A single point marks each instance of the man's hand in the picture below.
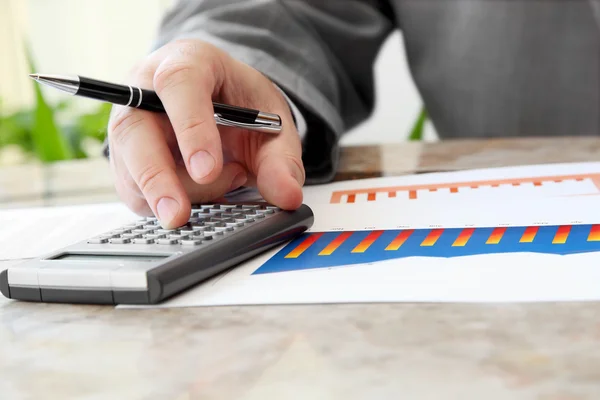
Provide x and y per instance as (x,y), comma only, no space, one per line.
(164,162)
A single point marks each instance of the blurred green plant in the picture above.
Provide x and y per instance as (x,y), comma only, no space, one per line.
(38,132)
(417,132)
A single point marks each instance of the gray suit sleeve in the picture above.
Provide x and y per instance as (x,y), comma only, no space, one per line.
(320,52)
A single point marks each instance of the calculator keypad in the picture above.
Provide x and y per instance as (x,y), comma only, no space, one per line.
(206,222)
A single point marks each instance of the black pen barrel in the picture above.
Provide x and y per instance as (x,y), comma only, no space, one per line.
(234,113)
(130,96)
(104,91)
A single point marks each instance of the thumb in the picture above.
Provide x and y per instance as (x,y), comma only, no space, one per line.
(280,179)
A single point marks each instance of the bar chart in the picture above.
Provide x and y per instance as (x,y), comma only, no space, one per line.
(552,185)
(336,249)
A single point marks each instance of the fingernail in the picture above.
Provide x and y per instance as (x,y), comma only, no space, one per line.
(202,164)
(167,209)
(238,181)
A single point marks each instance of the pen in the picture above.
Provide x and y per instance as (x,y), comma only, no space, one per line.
(148,100)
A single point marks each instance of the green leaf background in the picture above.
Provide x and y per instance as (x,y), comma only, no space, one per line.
(38,134)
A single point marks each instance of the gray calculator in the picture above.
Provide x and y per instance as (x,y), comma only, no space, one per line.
(141,263)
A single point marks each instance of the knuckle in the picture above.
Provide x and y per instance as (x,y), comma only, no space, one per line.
(190,126)
(149,178)
(122,123)
(170,74)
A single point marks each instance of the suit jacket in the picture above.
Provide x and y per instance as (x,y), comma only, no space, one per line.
(484,68)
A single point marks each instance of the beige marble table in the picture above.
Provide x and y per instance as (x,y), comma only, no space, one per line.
(375,351)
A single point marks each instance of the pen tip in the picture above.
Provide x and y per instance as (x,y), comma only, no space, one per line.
(34,76)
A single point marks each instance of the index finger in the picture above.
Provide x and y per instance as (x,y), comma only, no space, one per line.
(146,155)
(185,82)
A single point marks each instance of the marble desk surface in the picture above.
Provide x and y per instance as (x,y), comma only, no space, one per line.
(375,351)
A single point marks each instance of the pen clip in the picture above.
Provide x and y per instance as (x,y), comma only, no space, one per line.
(260,127)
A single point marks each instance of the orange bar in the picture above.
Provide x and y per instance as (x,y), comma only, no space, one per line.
(537,183)
(412,194)
(529,234)
(351,198)
(464,237)
(433,236)
(399,240)
(474,187)
(453,190)
(516,184)
(496,236)
(561,235)
(391,194)
(433,190)
(302,247)
(367,242)
(335,243)
(371,197)
(594,234)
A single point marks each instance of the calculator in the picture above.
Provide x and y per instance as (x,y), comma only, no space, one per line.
(141,263)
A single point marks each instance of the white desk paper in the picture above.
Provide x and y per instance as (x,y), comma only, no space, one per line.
(33,232)
(545,249)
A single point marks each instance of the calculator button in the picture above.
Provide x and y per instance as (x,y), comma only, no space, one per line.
(149,227)
(143,241)
(195,242)
(155,236)
(251,206)
(151,219)
(131,235)
(234,224)
(99,240)
(223,219)
(109,236)
(223,229)
(120,241)
(187,231)
(178,236)
(259,215)
(121,231)
(267,211)
(198,228)
(143,231)
(165,231)
(166,241)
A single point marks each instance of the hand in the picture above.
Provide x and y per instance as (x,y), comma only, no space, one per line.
(165,162)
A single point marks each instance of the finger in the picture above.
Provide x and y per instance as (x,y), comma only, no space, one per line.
(280,178)
(125,186)
(143,148)
(232,177)
(185,82)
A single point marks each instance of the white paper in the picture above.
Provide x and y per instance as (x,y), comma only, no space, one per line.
(524,181)
(34,232)
(500,277)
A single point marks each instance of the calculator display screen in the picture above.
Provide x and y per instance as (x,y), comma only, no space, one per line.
(110,257)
